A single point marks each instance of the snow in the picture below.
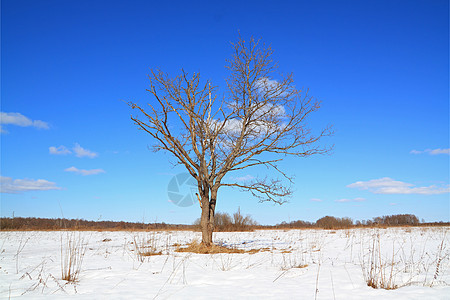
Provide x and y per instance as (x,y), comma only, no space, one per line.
(293,264)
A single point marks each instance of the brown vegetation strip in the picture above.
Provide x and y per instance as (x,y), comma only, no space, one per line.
(199,248)
(196,247)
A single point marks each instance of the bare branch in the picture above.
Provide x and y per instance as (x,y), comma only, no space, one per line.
(262,119)
(265,190)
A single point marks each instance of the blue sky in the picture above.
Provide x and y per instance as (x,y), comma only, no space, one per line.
(69,148)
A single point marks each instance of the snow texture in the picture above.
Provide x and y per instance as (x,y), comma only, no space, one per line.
(290,264)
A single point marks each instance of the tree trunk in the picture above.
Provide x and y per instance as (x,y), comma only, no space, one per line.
(204,222)
(207,218)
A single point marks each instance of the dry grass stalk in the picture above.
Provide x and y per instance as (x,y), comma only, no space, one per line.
(375,267)
(19,250)
(293,261)
(73,249)
(145,246)
(439,259)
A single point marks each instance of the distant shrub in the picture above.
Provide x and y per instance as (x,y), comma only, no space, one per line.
(222,221)
(295,225)
(241,223)
(225,222)
(328,222)
(395,220)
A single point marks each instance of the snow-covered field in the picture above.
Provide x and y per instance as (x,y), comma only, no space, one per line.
(293,264)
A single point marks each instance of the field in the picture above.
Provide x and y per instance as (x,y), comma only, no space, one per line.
(372,263)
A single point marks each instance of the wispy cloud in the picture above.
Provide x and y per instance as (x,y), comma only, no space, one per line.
(19,120)
(342,200)
(77,149)
(61,150)
(415,152)
(432,151)
(350,200)
(81,152)
(388,185)
(243,178)
(316,200)
(84,172)
(13,186)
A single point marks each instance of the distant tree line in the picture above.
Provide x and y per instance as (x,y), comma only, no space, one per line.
(19,223)
(223,222)
(328,222)
(397,220)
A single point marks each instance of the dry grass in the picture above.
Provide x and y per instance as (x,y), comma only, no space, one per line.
(196,247)
(293,260)
(73,248)
(284,251)
(145,245)
(378,271)
(440,257)
(253,251)
(150,253)
(386,268)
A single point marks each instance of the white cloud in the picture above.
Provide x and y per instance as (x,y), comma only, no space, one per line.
(40,124)
(387,185)
(316,200)
(432,151)
(84,172)
(8,185)
(265,83)
(269,110)
(416,152)
(81,152)
(266,118)
(77,149)
(350,200)
(359,199)
(242,178)
(270,87)
(342,200)
(20,120)
(439,151)
(61,150)
(232,126)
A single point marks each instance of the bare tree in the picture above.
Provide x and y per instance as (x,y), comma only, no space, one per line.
(259,121)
